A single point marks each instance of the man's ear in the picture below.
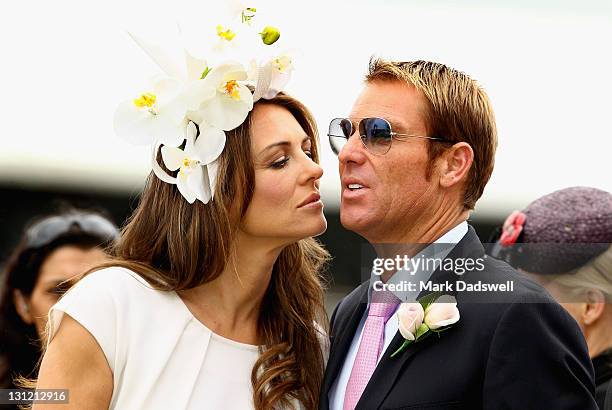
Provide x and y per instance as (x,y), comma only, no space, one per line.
(594,306)
(455,163)
(22,306)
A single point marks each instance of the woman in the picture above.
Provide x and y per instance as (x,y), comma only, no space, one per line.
(208,305)
(52,251)
(562,241)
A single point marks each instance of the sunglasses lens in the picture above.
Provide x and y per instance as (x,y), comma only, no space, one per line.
(340,129)
(376,134)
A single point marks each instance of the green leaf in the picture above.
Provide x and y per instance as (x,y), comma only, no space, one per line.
(427,300)
(205,72)
(421,331)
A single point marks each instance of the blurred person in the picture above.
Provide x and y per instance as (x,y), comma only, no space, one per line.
(415,154)
(53,250)
(214,296)
(562,241)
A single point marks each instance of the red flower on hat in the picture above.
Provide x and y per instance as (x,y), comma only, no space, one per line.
(513,226)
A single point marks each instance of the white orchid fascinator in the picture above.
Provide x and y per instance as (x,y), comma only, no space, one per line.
(186,111)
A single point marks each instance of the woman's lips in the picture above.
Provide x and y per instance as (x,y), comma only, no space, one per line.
(312,201)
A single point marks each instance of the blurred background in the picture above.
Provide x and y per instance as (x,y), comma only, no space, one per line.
(66,65)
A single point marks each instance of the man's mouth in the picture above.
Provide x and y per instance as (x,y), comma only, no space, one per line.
(354,187)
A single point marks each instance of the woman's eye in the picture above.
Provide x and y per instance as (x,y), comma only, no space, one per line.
(280,163)
(59,289)
(309,153)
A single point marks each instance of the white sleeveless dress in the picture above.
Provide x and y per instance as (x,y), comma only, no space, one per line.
(161,356)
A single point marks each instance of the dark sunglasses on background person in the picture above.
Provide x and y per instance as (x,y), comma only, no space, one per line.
(376,134)
(49,229)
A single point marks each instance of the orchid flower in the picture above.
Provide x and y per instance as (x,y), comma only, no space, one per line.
(196,163)
(221,99)
(155,115)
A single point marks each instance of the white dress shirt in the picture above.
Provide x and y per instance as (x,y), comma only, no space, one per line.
(338,389)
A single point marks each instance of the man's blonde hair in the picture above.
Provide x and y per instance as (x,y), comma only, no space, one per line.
(458,110)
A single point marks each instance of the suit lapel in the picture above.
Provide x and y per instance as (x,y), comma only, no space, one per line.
(346,328)
(389,369)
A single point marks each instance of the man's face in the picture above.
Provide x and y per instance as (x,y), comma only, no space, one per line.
(395,193)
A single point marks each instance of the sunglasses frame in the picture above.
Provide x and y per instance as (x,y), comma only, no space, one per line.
(50,228)
(363,137)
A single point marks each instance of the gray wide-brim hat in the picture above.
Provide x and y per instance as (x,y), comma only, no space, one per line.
(559,232)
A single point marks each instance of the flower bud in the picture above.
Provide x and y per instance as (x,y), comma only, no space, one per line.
(410,316)
(270,35)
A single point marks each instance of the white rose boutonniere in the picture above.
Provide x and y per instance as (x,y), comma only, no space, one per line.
(433,313)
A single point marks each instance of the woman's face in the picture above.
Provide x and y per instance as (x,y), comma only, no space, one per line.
(62,264)
(286,205)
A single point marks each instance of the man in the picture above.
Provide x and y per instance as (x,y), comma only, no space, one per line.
(415,155)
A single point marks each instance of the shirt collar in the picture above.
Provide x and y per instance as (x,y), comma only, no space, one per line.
(452,237)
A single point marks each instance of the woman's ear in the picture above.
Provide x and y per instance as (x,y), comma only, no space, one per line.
(594,307)
(22,306)
(455,164)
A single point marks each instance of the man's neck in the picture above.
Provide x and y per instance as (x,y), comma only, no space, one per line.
(422,230)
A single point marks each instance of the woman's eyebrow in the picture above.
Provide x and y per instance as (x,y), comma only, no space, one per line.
(281,144)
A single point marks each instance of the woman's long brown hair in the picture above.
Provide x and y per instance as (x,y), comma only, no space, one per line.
(175,245)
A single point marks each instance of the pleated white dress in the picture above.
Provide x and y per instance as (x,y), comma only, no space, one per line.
(161,356)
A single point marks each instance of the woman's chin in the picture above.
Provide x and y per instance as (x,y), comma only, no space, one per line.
(318,227)
(310,227)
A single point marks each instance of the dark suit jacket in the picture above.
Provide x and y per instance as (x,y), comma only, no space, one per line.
(521,352)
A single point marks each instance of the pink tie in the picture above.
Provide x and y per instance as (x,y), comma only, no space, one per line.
(381,309)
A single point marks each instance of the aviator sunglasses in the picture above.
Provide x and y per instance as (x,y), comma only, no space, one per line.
(376,134)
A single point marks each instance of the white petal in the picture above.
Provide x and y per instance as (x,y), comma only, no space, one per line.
(157,170)
(195,66)
(209,144)
(226,113)
(279,80)
(184,189)
(131,123)
(173,157)
(191,132)
(196,93)
(264,79)
(212,170)
(197,182)
(162,58)
(220,74)
(166,129)
(166,89)
(238,74)
(270,94)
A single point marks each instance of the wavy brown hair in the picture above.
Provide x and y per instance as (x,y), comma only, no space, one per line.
(175,246)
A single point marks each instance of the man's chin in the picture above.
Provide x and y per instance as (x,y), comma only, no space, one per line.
(353,220)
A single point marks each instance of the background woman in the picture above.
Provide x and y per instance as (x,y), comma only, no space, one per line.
(52,250)
(562,241)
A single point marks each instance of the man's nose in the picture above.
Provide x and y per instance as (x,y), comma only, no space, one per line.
(353,150)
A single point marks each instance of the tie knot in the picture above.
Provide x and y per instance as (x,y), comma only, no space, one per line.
(383,304)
